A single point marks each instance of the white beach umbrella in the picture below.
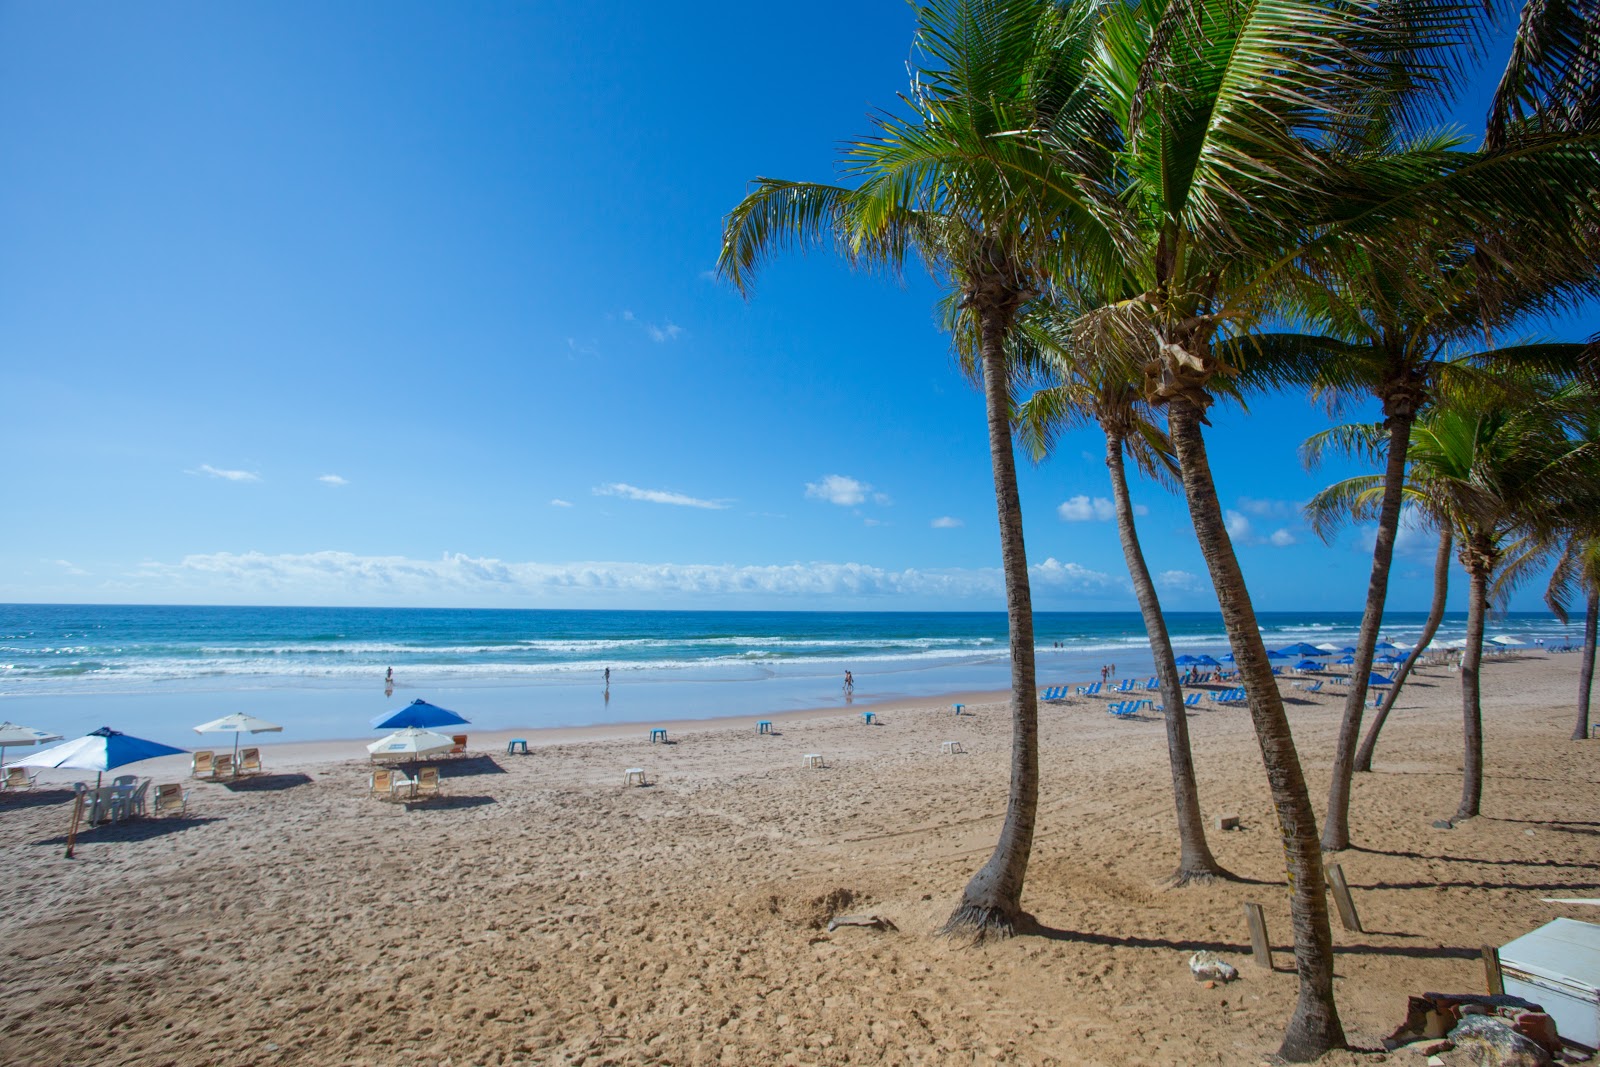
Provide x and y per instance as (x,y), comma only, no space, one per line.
(236,724)
(1328,647)
(12,734)
(411,743)
(1507,639)
(103,750)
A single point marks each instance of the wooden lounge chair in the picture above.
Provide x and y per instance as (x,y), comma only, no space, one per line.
(201,765)
(172,796)
(461,745)
(19,778)
(222,765)
(427,784)
(249,761)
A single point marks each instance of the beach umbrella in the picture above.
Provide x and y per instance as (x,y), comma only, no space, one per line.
(418,713)
(1186,661)
(1228,658)
(1392,657)
(1206,661)
(1385,646)
(1377,679)
(411,743)
(99,752)
(1308,665)
(1275,655)
(1301,649)
(1345,660)
(12,734)
(236,724)
(1330,649)
(1506,639)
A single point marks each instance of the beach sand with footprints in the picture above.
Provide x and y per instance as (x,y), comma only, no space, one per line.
(545,913)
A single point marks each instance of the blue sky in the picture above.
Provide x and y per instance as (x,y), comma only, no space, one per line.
(408,304)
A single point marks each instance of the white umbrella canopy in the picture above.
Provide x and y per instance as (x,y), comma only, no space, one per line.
(1327,647)
(12,734)
(100,751)
(236,724)
(411,743)
(1507,639)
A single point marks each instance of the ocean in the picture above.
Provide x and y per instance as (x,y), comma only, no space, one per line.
(159,670)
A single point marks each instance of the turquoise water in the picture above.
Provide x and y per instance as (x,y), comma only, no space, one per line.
(321,671)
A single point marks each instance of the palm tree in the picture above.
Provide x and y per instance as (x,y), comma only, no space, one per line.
(1103,390)
(1578,571)
(947,184)
(1441,588)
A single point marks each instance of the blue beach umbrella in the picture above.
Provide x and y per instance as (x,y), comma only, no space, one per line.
(1308,665)
(1392,657)
(99,752)
(1377,679)
(1186,661)
(1301,649)
(1275,655)
(1206,661)
(1345,660)
(1386,646)
(1228,658)
(418,713)
(1348,651)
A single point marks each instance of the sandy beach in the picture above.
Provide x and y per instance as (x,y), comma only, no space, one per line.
(543,913)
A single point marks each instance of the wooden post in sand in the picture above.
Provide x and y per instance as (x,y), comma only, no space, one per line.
(1341,899)
(1491,971)
(77,819)
(1258,935)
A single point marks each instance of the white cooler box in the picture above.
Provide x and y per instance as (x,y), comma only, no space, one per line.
(1558,967)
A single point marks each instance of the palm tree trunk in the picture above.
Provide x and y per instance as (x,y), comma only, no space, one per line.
(1586,671)
(1195,862)
(1314,1027)
(1471,697)
(1441,586)
(991,905)
(1336,826)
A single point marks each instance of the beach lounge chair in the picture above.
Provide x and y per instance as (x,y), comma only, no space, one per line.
(427,784)
(222,765)
(1154,683)
(249,761)
(461,745)
(171,796)
(380,783)
(1126,709)
(1090,690)
(200,764)
(19,778)
(1125,686)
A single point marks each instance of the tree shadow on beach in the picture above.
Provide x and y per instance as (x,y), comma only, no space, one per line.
(1438,952)
(448,803)
(34,798)
(132,830)
(1472,859)
(266,783)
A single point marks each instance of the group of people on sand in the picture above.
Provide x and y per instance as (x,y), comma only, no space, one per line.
(1108,671)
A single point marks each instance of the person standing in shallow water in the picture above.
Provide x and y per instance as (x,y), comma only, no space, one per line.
(388,679)
(849,683)
(608,677)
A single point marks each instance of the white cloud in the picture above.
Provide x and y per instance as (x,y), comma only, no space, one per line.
(1180,582)
(1269,509)
(332,479)
(71,568)
(841,490)
(559,503)
(346,578)
(1238,525)
(1083,509)
(669,332)
(232,476)
(627,316)
(656,496)
(872,522)
(1281,538)
(1242,531)
(945,522)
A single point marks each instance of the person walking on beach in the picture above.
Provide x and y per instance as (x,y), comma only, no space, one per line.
(608,677)
(388,679)
(849,683)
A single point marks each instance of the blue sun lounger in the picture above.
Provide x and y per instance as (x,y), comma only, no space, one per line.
(1090,690)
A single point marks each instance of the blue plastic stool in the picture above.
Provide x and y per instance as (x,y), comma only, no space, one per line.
(516,743)
(959,707)
(658,734)
(869,716)
(764,726)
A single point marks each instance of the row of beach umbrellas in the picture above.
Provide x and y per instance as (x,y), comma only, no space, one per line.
(106,749)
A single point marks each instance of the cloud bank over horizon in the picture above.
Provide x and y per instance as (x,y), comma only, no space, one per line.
(457,579)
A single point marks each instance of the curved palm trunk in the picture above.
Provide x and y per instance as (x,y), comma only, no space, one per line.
(1195,862)
(1586,671)
(1471,699)
(1441,586)
(1314,1027)
(991,905)
(1336,827)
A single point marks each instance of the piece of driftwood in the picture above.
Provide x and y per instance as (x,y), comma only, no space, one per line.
(872,922)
